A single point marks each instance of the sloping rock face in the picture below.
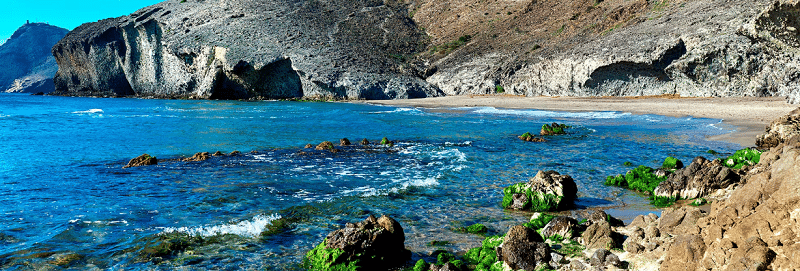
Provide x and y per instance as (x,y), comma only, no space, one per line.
(616,48)
(757,227)
(243,49)
(26,61)
(780,130)
(699,179)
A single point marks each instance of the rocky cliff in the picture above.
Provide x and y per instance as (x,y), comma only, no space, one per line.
(26,64)
(240,49)
(418,48)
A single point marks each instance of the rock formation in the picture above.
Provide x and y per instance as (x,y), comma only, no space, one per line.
(142,160)
(372,244)
(244,49)
(26,61)
(547,191)
(780,130)
(699,179)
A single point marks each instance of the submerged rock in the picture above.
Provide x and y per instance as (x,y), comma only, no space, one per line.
(701,178)
(344,142)
(200,156)
(372,244)
(547,191)
(142,160)
(553,129)
(325,145)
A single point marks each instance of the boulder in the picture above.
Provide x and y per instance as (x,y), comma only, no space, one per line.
(600,235)
(561,225)
(325,145)
(344,142)
(680,221)
(599,216)
(372,244)
(603,257)
(365,142)
(547,191)
(218,153)
(309,146)
(780,131)
(701,178)
(200,156)
(685,253)
(142,160)
(234,153)
(523,249)
(553,129)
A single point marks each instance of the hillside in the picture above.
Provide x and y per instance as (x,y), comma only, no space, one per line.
(386,50)
(26,61)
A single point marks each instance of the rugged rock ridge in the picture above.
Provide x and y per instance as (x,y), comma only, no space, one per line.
(25,59)
(246,49)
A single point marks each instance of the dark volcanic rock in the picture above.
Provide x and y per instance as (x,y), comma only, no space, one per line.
(523,248)
(26,61)
(372,244)
(243,49)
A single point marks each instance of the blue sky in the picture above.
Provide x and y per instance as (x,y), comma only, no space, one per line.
(65,13)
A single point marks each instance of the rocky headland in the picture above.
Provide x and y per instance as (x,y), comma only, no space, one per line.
(27,63)
(246,49)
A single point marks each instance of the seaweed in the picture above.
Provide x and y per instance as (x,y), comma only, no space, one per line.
(537,202)
(741,158)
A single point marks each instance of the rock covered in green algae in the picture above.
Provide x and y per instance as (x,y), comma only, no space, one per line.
(372,244)
(672,163)
(553,129)
(547,191)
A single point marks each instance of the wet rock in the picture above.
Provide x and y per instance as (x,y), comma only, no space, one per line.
(444,267)
(553,129)
(780,131)
(523,249)
(372,244)
(599,216)
(547,191)
(531,138)
(218,153)
(234,153)
(325,145)
(386,141)
(308,146)
(365,142)
(520,201)
(142,160)
(701,178)
(344,142)
(561,225)
(200,156)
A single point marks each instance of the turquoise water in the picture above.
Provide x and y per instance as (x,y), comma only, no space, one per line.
(66,201)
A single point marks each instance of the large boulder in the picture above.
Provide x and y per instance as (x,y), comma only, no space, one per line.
(685,253)
(372,244)
(600,235)
(547,191)
(523,248)
(563,226)
(681,220)
(701,178)
(142,160)
(780,131)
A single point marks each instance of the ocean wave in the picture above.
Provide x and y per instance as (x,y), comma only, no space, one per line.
(400,110)
(246,228)
(90,111)
(552,114)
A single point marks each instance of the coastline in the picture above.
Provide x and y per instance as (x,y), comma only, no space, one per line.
(747,115)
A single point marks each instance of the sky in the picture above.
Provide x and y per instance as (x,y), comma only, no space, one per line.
(63,13)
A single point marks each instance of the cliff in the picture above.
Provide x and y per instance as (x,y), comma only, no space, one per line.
(26,64)
(244,49)
(420,48)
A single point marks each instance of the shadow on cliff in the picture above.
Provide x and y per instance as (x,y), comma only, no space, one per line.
(277,80)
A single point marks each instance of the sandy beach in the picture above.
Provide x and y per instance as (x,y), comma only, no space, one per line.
(749,114)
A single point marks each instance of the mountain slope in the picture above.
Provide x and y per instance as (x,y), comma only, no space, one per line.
(26,64)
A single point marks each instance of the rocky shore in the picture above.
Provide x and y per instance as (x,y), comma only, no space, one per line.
(750,224)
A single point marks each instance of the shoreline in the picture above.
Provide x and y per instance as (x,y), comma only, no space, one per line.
(747,115)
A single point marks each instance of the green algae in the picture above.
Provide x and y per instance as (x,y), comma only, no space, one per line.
(640,179)
(553,129)
(539,222)
(328,259)
(671,163)
(662,202)
(476,228)
(537,202)
(485,257)
(741,158)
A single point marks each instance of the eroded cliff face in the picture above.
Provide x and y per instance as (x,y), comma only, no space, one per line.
(244,49)
(369,49)
(616,48)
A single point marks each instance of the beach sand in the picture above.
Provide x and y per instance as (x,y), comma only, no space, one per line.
(749,115)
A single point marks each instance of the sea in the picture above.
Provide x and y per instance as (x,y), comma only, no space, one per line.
(66,202)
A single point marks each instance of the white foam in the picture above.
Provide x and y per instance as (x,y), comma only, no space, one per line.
(552,114)
(247,228)
(90,111)
(400,110)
